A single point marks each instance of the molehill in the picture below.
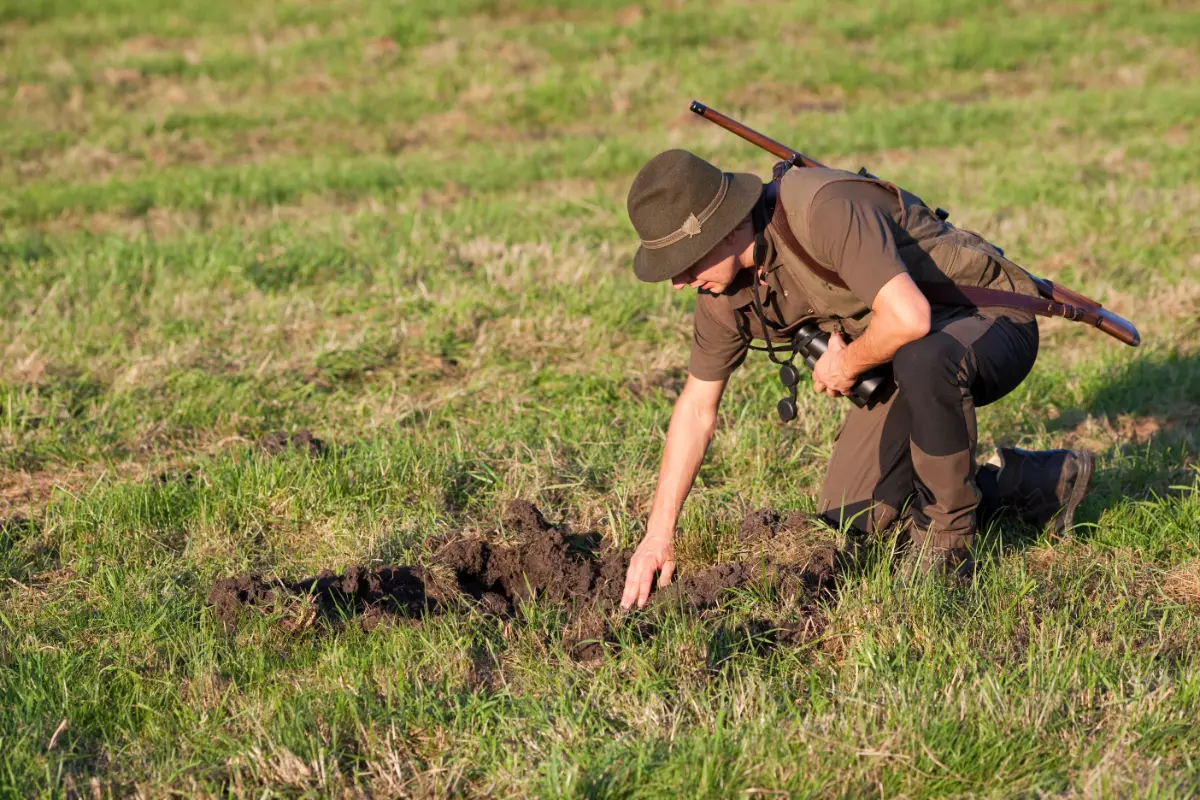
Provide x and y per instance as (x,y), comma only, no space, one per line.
(527,558)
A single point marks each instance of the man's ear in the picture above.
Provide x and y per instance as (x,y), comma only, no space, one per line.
(734,235)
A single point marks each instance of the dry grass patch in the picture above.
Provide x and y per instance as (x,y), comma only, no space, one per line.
(1100,433)
(29,493)
(1182,583)
(316,213)
(785,97)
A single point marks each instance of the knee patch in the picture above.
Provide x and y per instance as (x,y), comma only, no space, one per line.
(935,358)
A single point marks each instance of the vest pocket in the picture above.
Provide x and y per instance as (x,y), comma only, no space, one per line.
(978,262)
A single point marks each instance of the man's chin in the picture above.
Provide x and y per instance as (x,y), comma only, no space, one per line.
(714,291)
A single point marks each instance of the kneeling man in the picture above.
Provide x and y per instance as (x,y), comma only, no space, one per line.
(847,251)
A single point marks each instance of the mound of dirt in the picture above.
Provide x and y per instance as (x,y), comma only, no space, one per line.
(229,596)
(275,443)
(170,476)
(797,546)
(530,558)
(362,592)
(540,561)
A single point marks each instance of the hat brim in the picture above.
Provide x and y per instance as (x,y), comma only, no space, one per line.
(652,266)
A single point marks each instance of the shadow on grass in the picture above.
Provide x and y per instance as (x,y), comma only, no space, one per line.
(1152,407)
(24,553)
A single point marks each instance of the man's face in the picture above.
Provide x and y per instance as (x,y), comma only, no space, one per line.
(713,273)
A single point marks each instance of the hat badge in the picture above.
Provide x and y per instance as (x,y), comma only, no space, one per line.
(691,226)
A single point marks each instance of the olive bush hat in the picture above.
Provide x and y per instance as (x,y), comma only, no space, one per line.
(682,206)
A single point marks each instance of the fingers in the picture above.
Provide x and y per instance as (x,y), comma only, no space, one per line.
(633,583)
(637,581)
(640,578)
(644,587)
(668,571)
(822,388)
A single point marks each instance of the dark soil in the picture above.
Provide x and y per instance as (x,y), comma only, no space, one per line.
(358,592)
(529,558)
(275,443)
(167,477)
(539,561)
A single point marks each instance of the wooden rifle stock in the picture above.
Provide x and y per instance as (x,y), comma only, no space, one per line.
(1074,306)
(1092,312)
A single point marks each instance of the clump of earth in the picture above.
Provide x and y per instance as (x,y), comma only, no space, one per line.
(278,442)
(527,558)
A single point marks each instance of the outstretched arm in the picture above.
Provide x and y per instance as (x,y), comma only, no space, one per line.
(692,424)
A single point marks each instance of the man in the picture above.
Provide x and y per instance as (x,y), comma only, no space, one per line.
(847,252)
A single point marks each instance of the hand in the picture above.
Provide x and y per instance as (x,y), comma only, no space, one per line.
(654,554)
(830,375)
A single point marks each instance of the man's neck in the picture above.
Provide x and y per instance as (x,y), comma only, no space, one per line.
(745,258)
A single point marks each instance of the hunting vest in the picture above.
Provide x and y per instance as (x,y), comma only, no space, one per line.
(933,250)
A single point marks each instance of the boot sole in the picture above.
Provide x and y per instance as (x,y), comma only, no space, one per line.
(1079,490)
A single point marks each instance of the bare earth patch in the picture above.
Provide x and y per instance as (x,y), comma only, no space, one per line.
(28,493)
(528,559)
(274,444)
(1103,432)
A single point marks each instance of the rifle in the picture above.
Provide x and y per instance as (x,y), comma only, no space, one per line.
(1054,300)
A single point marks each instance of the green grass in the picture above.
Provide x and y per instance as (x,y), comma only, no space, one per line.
(402,226)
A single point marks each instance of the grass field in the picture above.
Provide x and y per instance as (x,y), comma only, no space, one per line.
(401,227)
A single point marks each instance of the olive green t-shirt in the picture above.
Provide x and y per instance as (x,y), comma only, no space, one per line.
(853,226)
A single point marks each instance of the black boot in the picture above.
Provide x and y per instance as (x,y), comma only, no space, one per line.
(1043,487)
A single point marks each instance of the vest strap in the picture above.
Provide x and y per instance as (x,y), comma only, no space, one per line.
(779,224)
(1054,301)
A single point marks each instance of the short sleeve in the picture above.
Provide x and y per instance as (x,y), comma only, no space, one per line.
(717,347)
(855,238)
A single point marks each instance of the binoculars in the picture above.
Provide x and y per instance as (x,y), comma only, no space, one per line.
(810,342)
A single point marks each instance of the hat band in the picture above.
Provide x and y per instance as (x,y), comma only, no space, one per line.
(691,225)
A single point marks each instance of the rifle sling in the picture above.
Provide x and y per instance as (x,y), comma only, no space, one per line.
(779,223)
(941,293)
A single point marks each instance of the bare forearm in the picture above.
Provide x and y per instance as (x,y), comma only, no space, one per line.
(877,346)
(688,435)
(902,315)
(691,428)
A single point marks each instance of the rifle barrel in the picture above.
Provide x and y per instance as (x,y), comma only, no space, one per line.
(1093,313)
(773,147)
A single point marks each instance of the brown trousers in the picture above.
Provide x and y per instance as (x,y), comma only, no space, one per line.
(913,457)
